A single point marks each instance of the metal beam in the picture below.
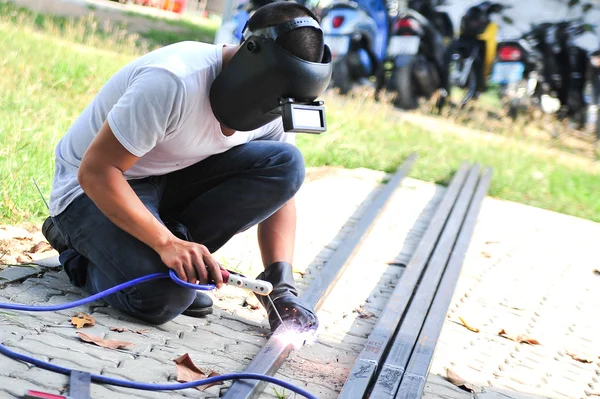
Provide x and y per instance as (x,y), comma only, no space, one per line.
(368,362)
(415,377)
(391,373)
(274,353)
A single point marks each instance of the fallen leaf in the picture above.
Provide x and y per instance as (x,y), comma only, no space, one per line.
(597,272)
(105,343)
(81,320)
(363,314)
(24,258)
(252,302)
(187,371)
(467,325)
(579,358)
(459,382)
(519,338)
(41,246)
(486,255)
(125,329)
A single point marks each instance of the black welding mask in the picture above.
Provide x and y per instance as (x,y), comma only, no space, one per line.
(263,81)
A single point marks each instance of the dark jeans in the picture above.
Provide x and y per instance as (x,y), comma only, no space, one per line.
(208,203)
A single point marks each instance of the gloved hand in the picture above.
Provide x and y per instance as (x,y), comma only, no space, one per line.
(285,297)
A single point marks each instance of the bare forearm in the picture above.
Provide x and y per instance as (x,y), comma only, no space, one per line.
(277,235)
(113,195)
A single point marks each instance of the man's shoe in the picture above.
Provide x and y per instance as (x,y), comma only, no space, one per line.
(53,236)
(202,306)
(294,313)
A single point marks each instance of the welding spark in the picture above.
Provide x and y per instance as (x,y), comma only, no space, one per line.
(294,336)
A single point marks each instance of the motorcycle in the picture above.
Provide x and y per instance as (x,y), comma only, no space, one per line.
(357,35)
(594,102)
(417,50)
(470,57)
(518,69)
(230,31)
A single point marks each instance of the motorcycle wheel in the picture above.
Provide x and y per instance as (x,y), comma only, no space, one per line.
(403,83)
(340,76)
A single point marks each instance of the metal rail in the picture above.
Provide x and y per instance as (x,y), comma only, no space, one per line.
(413,383)
(275,352)
(391,374)
(369,360)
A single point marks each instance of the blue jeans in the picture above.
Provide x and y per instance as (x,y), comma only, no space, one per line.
(207,203)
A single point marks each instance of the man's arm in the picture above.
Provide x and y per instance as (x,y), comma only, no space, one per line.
(277,235)
(101,177)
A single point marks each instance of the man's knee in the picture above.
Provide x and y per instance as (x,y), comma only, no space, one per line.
(291,167)
(164,302)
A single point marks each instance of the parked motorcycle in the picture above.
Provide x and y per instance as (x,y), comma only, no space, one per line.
(470,57)
(594,102)
(518,69)
(357,33)
(230,31)
(417,50)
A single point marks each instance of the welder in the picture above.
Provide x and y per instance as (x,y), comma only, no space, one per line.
(180,150)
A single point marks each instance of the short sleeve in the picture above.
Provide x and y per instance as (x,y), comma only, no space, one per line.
(150,107)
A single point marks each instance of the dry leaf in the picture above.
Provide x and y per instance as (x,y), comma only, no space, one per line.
(467,325)
(25,258)
(82,320)
(459,382)
(41,246)
(125,329)
(486,255)
(187,371)
(519,338)
(105,343)
(252,302)
(579,358)
(363,314)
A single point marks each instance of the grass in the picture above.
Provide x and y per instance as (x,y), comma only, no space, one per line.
(52,70)
(188,29)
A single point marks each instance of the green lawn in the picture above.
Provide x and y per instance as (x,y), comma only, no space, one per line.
(48,77)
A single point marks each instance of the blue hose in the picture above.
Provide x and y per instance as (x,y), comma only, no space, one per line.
(130,384)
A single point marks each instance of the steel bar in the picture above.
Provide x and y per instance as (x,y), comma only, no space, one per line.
(392,371)
(414,379)
(368,362)
(275,352)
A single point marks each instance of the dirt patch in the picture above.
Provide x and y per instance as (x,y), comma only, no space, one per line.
(20,245)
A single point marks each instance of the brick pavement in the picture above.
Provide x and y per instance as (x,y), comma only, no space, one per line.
(527,270)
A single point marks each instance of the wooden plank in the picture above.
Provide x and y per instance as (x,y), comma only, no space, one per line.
(275,352)
(415,377)
(368,362)
(391,374)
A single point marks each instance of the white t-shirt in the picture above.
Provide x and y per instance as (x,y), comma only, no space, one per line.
(158,108)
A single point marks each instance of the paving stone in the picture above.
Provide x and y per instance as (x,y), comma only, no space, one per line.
(10,274)
(15,387)
(84,354)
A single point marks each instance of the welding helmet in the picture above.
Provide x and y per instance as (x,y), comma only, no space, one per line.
(263,81)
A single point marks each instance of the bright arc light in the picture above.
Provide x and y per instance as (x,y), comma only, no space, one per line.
(291,335)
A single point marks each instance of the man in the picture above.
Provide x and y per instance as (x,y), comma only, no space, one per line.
(177,153)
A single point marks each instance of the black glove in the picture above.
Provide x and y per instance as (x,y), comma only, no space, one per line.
(294,313)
